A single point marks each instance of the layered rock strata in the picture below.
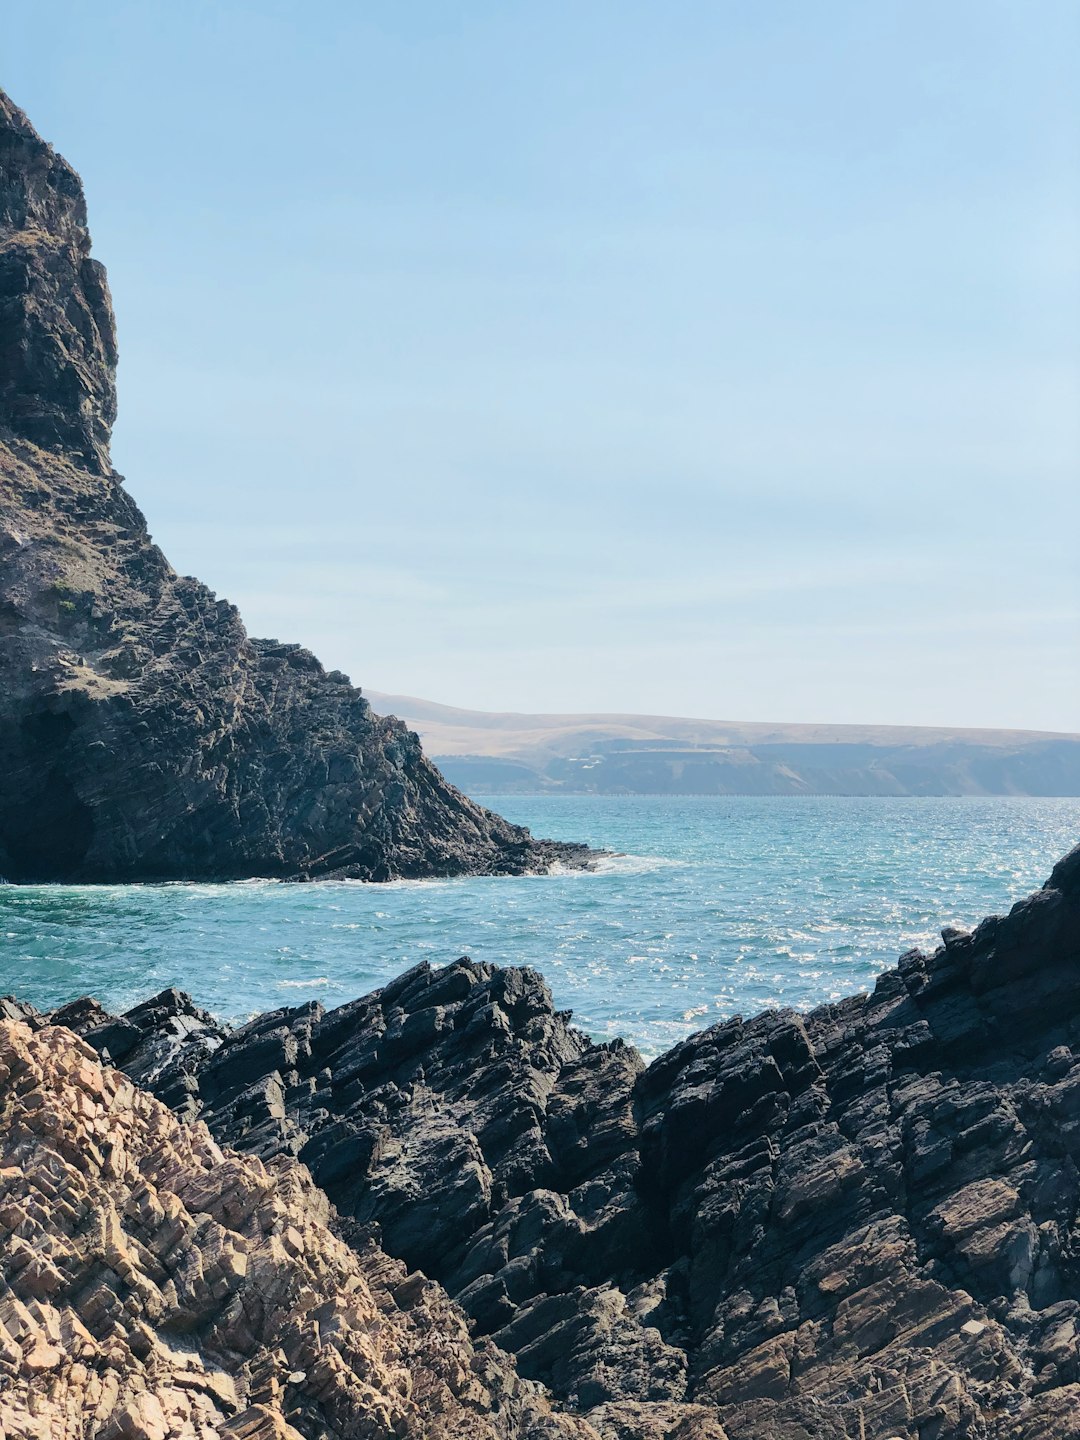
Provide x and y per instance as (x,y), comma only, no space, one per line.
(155,1286)
(143,733)
(858,1222)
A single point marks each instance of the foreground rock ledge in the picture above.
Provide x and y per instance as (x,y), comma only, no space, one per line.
(861,1222)
(144,735)
(157,1286)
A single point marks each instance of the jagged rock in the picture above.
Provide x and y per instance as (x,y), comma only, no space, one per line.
(859,1221)
(143,733)
(156,1287)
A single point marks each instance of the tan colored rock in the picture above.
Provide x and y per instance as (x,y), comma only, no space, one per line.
(155,1287)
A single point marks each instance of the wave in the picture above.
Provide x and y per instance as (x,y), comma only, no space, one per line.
(616,863)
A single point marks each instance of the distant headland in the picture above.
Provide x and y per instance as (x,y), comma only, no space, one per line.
(502,753)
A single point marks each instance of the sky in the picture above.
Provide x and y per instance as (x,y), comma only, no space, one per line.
(715,359)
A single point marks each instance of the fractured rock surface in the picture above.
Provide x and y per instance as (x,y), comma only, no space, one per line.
(143,733)
(153,1286)
(861,1221)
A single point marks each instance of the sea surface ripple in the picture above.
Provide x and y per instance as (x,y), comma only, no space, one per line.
(711,907)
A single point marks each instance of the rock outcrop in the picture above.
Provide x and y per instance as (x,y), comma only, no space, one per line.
(154,1286)
(857,1222)
(143,733)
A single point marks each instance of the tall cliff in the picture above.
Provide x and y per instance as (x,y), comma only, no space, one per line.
(143,733)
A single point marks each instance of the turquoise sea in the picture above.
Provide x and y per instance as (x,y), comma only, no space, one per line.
(711,907)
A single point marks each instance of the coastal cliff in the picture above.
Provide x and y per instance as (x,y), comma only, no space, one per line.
(857,1222)
(143,733)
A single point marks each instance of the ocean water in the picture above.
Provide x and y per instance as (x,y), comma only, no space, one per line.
(710,907)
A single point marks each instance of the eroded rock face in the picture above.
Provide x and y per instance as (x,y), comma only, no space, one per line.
(143,733)
(155,1286)
(860,1221)
(57,335)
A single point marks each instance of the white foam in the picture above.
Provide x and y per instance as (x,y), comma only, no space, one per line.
(617,864)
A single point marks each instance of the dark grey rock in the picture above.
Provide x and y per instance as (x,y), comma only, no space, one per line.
(857,1221)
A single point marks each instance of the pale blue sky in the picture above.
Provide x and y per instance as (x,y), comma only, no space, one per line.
(708,358)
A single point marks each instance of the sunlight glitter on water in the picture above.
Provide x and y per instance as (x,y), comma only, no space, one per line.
(708,908)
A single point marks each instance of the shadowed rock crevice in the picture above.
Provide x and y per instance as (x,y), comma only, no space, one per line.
(49,834)
(194,751)
(860,1221)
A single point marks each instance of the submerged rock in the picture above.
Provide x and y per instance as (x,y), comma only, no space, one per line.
(143,733)
(857,1222)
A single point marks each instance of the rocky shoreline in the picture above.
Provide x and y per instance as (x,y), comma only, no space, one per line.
(440,1210)
(856,1222)
(144,735)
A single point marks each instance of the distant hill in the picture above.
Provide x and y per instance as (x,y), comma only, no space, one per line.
(492,753)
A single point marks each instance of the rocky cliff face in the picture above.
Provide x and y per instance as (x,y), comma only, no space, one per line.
(143,733)
(57,334)
(859,1222)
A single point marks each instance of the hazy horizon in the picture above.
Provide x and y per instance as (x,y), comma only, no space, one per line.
(705,362)
(422,707)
